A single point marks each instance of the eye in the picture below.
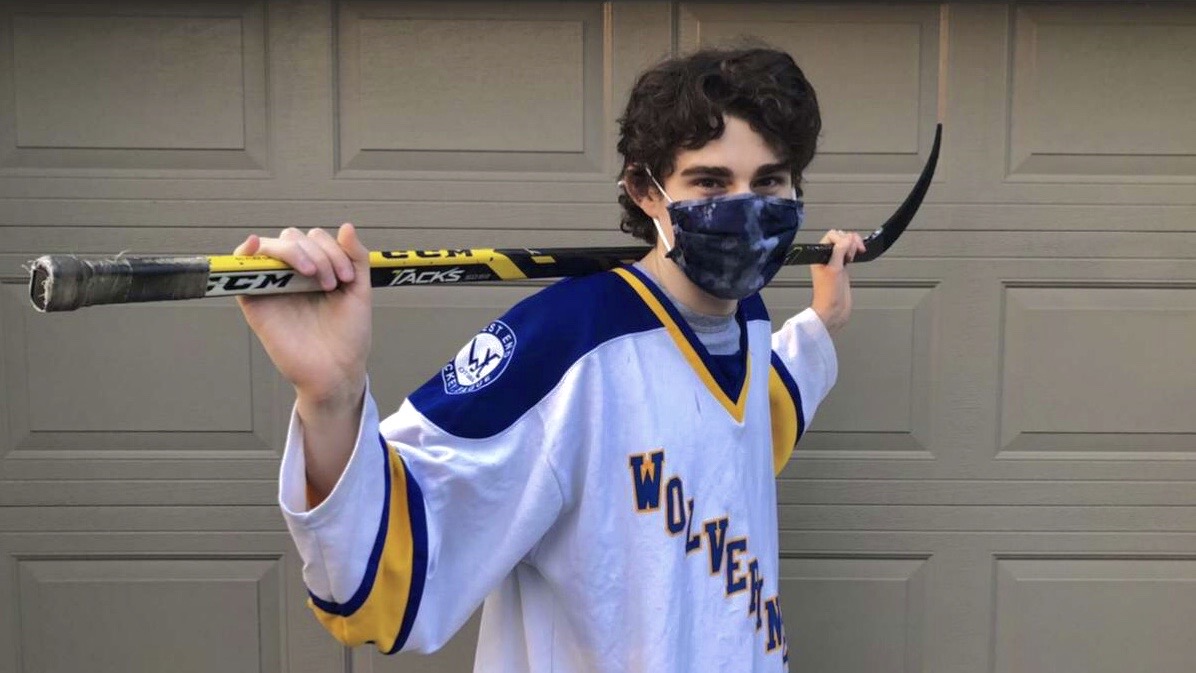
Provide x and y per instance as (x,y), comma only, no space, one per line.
(770,183)
(707,183)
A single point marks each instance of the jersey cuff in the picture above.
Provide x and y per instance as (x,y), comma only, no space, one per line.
(808,323)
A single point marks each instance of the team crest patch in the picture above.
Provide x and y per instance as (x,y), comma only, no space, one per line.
(481,361)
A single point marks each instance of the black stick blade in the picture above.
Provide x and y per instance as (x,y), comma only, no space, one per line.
(883,238)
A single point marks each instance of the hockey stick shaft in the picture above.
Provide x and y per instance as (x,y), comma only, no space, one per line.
(68,282)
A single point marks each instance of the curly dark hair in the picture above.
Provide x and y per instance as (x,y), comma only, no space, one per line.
(679,104)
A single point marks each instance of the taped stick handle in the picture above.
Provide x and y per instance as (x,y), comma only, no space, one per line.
(68,282)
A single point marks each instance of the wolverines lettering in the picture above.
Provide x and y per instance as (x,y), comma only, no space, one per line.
(727,558)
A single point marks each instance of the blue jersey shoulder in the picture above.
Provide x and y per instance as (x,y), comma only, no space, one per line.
(516,360)
(753,308)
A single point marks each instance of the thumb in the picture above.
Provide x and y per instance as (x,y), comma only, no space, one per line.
(352,245)
(840,241)
(842,248)
(249,247)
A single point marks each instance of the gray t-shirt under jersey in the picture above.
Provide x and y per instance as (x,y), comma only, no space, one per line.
(718,333)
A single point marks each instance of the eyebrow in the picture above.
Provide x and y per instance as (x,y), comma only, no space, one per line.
(724,172)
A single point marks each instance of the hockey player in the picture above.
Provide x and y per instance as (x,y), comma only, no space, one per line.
(598,463)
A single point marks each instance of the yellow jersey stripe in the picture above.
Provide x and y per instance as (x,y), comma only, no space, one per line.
(382,610)
(788,417)
(784,421)
(733,407)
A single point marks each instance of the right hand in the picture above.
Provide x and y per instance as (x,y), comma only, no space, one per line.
(832,286)
(319,341)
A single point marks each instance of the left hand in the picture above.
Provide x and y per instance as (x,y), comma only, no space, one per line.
(832,286)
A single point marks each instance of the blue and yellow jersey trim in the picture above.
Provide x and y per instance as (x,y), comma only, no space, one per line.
(788,418)
(384,607)
(556,327)
(552,330)
(732,397)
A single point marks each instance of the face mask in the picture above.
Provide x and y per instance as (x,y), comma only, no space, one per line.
(731,246)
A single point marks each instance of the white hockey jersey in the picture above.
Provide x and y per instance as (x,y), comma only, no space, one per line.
(587,468)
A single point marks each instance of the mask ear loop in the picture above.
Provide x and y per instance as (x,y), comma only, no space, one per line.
(668,249)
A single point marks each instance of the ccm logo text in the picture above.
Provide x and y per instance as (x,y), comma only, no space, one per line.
(241,282)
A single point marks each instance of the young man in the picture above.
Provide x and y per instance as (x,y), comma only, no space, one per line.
(598,464)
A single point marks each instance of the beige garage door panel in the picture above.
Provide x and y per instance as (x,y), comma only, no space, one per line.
(1049,610)
(177,601)
(158,611)
(1073,103)
(139,391)
(77,361)
(962,582)
(394,117)
(104,60)
(966,368)
(864,613)
(134,89)
(1103,92)
(1126,355)
(1001,481)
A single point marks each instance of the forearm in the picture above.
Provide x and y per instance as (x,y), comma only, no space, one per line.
(330,426)
(832,286)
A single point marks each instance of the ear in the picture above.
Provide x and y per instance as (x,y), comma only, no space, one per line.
(640,189)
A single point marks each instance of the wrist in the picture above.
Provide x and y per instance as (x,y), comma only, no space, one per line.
(831,319)
(341,399)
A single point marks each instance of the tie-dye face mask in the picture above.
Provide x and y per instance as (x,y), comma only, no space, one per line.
(731,246)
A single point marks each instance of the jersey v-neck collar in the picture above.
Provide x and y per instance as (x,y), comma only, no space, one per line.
(727,388)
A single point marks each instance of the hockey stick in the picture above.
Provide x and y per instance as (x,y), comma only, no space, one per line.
(68,282)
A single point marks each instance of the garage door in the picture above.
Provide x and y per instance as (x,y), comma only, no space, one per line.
(1003,480)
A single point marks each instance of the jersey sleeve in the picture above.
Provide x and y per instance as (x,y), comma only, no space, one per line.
(421,526)
(441,500)
(804,369)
